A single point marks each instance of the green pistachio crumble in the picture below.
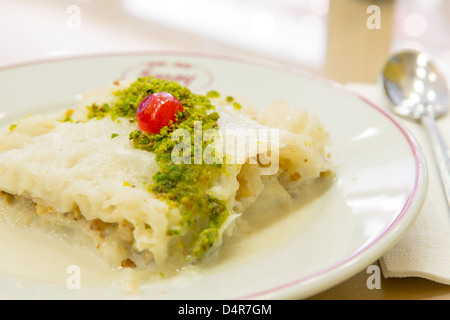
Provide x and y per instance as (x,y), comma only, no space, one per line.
(183,185)
(213,94)
(229,99)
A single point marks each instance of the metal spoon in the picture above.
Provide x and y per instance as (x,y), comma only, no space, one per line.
(418,90)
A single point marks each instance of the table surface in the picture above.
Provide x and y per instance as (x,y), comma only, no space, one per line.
(346,42)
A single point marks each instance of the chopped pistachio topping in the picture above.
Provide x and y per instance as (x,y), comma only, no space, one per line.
(182,185)
(213,94)
(237,106)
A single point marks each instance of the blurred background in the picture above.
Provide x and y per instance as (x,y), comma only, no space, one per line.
(345,40)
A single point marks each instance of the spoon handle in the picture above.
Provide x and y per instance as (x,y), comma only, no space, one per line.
(440,152)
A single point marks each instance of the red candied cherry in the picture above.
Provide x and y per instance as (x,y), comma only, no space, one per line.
(156,111)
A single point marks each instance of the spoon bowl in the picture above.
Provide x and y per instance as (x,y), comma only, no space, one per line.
(417,89)
(414,85)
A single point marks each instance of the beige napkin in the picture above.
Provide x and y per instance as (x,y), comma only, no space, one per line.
(425,250)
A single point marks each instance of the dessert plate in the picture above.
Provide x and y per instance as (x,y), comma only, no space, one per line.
(380,185)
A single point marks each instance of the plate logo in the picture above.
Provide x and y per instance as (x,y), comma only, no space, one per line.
(193,76)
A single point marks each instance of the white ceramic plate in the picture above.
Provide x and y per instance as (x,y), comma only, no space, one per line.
(379,189)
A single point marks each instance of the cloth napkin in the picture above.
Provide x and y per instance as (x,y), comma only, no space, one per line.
(424,251)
